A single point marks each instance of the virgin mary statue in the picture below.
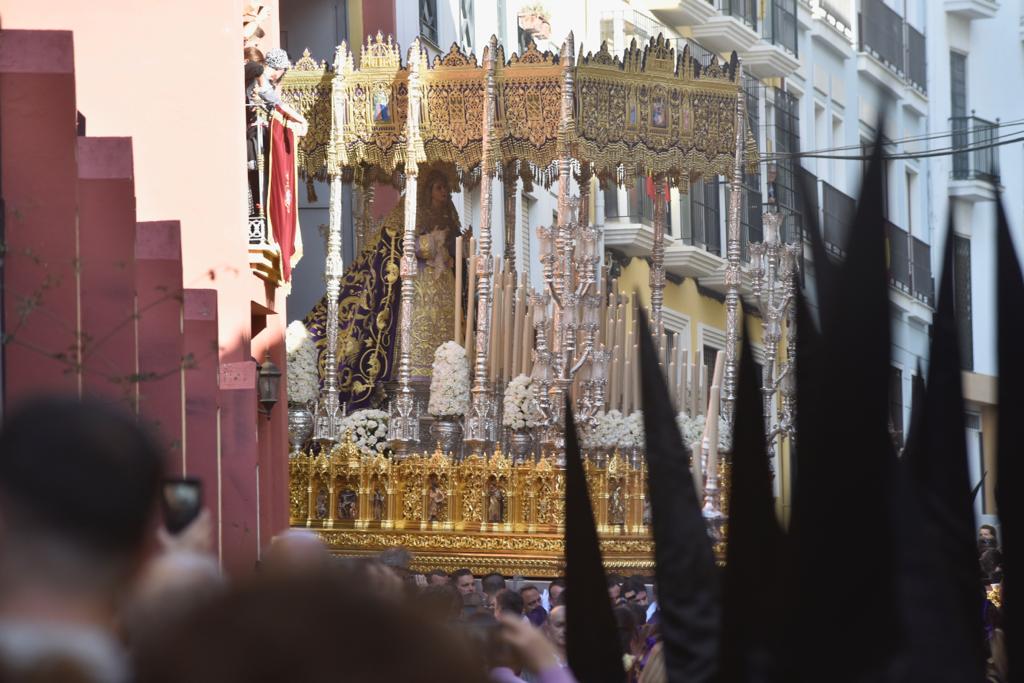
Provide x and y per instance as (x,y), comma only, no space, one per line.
(369,299)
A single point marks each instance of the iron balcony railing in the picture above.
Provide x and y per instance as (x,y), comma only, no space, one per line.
(705,217)
(881,33)
(921,271)
(886,35)
(975,156)
(917,64)
(744,10)
(897,243)
(780,24)
(837,216)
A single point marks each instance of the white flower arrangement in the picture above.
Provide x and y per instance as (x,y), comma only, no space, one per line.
(369,430)
(449,382)
(614,430)
(519,407)
(692,430)
(302,371)
(633,431)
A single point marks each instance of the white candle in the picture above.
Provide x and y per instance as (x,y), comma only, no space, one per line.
(458,289)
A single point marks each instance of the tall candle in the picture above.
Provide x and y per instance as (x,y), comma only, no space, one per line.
(614,382)
(507,327)
(526,347)
(471,306)
(495,339)
(627,379)
(517,334)
(458,289)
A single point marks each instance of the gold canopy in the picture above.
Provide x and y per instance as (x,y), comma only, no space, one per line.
(652,111)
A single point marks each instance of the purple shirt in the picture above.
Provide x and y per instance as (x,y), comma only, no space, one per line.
(554,674)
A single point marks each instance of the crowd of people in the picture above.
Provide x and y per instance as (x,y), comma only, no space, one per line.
(93,588)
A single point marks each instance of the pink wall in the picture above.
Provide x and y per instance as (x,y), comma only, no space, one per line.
(170,78)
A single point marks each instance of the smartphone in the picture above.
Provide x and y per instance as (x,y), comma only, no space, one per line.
(182,500)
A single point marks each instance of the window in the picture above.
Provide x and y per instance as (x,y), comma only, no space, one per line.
(710,354)
(958,83)
(838,175)
(428,20)
(820,136)
(962,298)
(912,210)
(467,24)
(896,405)
(782,182)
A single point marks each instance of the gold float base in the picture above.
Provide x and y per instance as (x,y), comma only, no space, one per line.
(533,555)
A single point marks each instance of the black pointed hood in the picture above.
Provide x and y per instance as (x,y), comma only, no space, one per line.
(843,515)
(752,592)
(684,560)
(1009,472)
(942,591)
(592,640)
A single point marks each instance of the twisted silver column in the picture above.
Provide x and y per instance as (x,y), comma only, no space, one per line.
(732,268)
(658,255)
(404,423)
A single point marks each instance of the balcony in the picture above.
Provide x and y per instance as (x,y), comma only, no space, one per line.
(973,9)
(897,243)
(776,55)
(922,283)
(893,51)
(734,27)
(975,174)
(264,255)
(680,13)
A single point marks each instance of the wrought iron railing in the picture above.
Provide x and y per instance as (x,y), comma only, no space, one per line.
(258,230)
(881,33)
(897,243)
(975,156)
(886,35)
(837,216)
(744,10)
(917,64)
(921,271)
(705,216)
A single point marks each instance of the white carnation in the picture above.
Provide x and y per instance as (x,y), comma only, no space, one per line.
(449,382)
(519,406)
(302,372)
(692,431)
(369,429)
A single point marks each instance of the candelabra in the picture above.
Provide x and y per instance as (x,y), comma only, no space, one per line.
(327,420)
(482,418)
(773,266)
(567,321)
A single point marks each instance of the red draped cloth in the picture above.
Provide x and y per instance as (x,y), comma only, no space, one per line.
(282,198)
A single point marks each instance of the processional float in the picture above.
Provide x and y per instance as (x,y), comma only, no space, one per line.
(599,119)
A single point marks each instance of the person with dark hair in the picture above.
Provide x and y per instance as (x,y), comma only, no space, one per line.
(555,589)
(634,592)
(991,562)
(306,629)
(78,487)
(532,607)
(987,538)
(629,633)
(508,602)
(615,589)
(441,602)
(492,584)
(464,581)
(437,577)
